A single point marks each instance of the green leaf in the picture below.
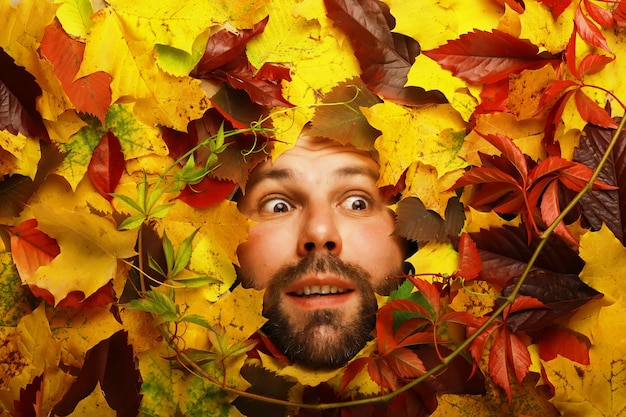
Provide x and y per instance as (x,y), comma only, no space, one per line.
(132,222)
(156,303)
(197,281)
(129,202)
(161,211)
(197,319)
(184,254)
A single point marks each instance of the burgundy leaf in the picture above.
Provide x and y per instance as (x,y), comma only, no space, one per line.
(30,402)
(239,74)
(604,207)
(385,57)
(107,165)
(18,93)
(224,47)
(505,252)
(111,363)
(481,57)
(560,293)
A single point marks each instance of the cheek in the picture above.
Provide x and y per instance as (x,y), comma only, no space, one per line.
(261,255)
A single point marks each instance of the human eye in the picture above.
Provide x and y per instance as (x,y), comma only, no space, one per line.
(276,205)
(356,203)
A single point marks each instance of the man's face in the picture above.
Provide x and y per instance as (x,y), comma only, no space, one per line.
(321,246)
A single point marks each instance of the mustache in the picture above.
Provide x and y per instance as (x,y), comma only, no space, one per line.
(315,264)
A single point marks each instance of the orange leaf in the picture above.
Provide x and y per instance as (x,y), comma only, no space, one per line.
(469,258)
(405,363)
(31,248)
(565,342)
(90,94)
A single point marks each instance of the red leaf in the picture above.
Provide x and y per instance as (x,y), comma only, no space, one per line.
(510,151)
(226,46)
(619,14)
(556,6)
(352,370)
(420,338)
(576,177)
(483,175)
(76,299)
(570,55)
(405,363)
(207,192)
(482,57)
(31,248)
(240,75)
(107,165)
(551,209)
(469,259)
(381,374)
(588,31)
(430,293)
(550,165)
(593,63)
(90,94)
(494,97)
(508,353)
(556,340)
(385,57)
(591,112)
(523,302)
(602,16)
(555,90)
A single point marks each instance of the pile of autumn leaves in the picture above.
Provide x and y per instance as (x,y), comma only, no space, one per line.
(489,227)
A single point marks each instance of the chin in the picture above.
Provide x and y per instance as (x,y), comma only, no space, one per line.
(325,341)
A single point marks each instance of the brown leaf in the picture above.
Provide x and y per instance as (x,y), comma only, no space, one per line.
(385,57)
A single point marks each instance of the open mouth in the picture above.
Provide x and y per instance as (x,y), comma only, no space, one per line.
(320,290)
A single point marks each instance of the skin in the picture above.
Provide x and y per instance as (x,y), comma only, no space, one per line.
(321,225)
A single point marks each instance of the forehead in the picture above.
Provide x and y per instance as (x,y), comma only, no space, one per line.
(320,155)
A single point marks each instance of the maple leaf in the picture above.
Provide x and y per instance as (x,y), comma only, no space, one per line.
(90,238)
(480,57)
(385,57)
(343,120)
(106,165)
(111,364)
(90,94)
(556,6)
(18,92)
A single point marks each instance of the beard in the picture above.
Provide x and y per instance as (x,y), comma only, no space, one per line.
(323,338)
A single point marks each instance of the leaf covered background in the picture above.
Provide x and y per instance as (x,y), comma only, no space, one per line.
(126,126)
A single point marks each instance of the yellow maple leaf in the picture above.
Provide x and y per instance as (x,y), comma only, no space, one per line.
(137,139)
(22,30)
(93,404)
(597,389)
(526,134)
(90,248)
(108,49)
(423,182)
(537,22)
(476,220)
(432,135)
(435,258)
(80,331)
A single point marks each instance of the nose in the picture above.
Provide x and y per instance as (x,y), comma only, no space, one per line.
(319,232)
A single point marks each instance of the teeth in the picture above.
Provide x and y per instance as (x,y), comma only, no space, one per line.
(323,290)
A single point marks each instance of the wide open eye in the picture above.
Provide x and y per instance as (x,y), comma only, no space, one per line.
(355,203)
(276,205)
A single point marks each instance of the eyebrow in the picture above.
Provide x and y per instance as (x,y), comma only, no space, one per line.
(290,175)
